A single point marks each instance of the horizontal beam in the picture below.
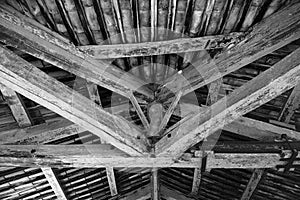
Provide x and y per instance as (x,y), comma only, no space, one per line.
(36,85)
(162,47)
(31,37)
(96,156)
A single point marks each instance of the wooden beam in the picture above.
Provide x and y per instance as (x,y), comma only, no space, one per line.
(155,185)
(196,180)
(266,86)
(274,32)
(291,105)
(161,47)
(16,106)
(111,181)
(34,84)
(96,156)
(51,178)
(31,37)
(252,184)
(139,111)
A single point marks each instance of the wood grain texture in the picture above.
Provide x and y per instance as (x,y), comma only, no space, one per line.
(252,184)
(34,84)
(97,156)
(269,84)
(274,32)
(161,47)
(29,36)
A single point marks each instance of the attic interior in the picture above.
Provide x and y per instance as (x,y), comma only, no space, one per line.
(149,100)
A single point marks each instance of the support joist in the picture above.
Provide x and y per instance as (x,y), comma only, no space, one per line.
(252,184)
(111,181)
(31,37)
(274,32)
(192,129)
(97,156)
(29,81)
(51,178)
(162,47)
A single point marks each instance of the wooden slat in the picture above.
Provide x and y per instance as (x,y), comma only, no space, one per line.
(29,36)
(34,84)
(139,111)
(169,194)
(274,32)
(51,178)
(16,106)
(196,180)
(252,184)
(140,194)
(161,47)
(266,86)
(291,105)
(96,156)
(155,185)
(111,181)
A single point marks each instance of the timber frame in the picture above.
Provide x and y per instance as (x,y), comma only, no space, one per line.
(188,143)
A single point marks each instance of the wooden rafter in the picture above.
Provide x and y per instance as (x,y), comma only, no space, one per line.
(155,187)
(161,47)
(16,106)
(111,181)
(271,83)
(29,36)
(291,105)
(96,156)
(252,184)
(23,120)
(274,32)
(51,178)
(29,81)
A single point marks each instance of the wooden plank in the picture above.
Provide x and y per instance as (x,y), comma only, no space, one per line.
(111,181)
(34,84)
(196,180)
(155,185)
(266,86)
(16,106)
(96,156)
(252,184)
(33,38)
(139,111)
(291,105)
(274,32)
(161,47)
(51,178)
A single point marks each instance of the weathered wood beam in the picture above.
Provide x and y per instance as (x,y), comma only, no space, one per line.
(51,178)
(34,84)
(96,156)
(272,33)
(196,180)
(139,111)
(111,181)
(291,105)
(266,86)
(16,106)
(155,185)
(161,47)
(252,184)
(31,37)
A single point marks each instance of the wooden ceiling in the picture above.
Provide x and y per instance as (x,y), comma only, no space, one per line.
(160,99)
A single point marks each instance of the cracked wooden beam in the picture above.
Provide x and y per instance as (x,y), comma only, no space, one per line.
(31,37)
(98,156)
(252,184)
(274,32)
(266,86)
(34,84)
(155,185)
(161,47)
